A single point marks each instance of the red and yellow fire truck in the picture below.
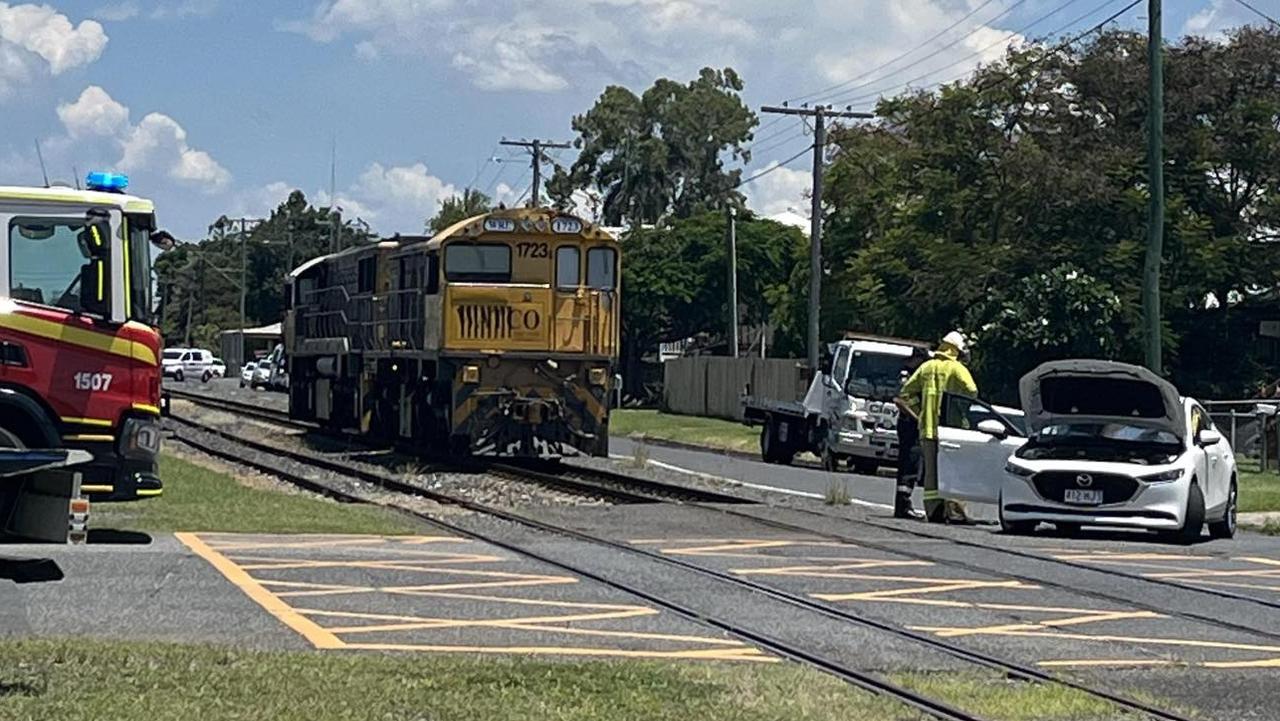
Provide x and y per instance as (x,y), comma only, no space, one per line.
(79,356)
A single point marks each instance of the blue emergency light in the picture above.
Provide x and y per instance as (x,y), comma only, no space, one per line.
(107,182)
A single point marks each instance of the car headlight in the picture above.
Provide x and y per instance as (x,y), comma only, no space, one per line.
(1014,469)
(1165,477)
(875,407)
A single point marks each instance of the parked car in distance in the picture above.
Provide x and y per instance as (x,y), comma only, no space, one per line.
(246,373)
(217,369)
(1110,444)
(261,375)
(182,363)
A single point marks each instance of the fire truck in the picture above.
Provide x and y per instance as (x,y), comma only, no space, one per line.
(79,355)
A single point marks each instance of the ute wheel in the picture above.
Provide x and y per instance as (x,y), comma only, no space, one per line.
(866,466)
(830,460)
(1226,528)
(768,443)
(1193,521)
(205,378)
(177,375)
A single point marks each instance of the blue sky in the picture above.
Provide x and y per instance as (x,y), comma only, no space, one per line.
(222,106)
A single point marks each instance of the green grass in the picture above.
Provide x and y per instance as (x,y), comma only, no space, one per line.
(198,499)
(100,680)
(58,680)
(710,432)
(995,697)
(1258,491)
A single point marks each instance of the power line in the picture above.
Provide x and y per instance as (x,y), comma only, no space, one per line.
(771,168)
(938,51)
(1259,13)
(535,147)
(1077,20)
(827,90)
(783,143)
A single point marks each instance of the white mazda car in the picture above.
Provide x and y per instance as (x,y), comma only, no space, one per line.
(1110,444)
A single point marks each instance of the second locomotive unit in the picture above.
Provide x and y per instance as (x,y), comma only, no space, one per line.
(497,335)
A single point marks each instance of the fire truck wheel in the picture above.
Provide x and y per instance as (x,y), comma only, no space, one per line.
(8,439)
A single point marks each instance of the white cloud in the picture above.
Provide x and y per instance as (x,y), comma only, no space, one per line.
(118,12)
(186,8)
(1215,18)
(519,45)
(36,38)
(158,142)
(782,189)
(94,113)
(392,199)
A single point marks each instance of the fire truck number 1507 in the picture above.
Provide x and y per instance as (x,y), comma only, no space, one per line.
(86,381)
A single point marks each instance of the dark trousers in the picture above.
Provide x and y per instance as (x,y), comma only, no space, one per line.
(908,455)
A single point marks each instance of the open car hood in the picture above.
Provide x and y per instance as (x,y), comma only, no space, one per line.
(1097,391)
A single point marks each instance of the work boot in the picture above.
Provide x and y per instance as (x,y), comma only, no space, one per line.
(902,508)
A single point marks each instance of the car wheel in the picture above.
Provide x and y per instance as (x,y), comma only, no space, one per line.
(177,375)
(1193,520)
(206,377)
(830,460)
(1226,528)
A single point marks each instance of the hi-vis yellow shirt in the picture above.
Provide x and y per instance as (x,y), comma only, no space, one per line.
(940,374)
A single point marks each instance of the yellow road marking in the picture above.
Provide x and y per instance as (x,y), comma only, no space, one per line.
(715,654)
(941,588)
(308,629)
(1116,662)
(825,571)
(1141,640)
(1051,623)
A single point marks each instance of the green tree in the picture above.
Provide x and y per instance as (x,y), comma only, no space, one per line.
(661,153)
(675,279)
(199,283)
(955,199)
(459,207)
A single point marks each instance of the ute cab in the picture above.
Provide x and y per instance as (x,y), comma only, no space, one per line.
(79,354)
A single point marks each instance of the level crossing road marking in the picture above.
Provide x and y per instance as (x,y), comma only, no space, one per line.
(1047,621)
(1180,568)
(276,572)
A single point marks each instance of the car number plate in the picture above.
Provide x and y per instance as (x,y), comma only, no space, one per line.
(1082,496)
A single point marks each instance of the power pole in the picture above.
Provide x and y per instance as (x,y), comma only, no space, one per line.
(819,113)
(1155,171)
(536,147)
(733,280)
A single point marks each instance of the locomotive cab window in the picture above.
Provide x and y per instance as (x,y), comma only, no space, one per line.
(478,262)
(366,271)
(602,268)
(568,267)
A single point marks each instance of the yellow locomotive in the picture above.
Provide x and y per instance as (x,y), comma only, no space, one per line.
(497,335)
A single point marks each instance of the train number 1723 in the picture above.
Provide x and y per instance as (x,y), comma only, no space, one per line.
(532,250)
(86,381)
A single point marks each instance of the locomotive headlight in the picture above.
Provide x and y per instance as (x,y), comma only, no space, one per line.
(599,376)
(471,374)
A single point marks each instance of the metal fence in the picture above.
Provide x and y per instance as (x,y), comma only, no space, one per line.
(712,385)
(1250,426)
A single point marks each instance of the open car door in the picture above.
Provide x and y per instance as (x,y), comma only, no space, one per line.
(974,442)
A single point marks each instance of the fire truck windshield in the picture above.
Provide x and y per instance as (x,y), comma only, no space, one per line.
(45,257)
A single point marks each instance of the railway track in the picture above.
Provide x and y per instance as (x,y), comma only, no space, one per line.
(616,487)
(781,648)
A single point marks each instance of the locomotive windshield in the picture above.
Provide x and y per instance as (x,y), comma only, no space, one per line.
(478,262)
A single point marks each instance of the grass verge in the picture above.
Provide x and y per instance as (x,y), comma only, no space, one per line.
(60,679)
(710,432)
(199,499)
(1258,491)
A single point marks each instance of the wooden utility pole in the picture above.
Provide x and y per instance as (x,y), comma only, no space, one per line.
(535,147)
(733,280)
(1155,173)
(819,113)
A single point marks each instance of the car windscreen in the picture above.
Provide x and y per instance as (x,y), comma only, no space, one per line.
(876,375)
(1103,432)
(172,354)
